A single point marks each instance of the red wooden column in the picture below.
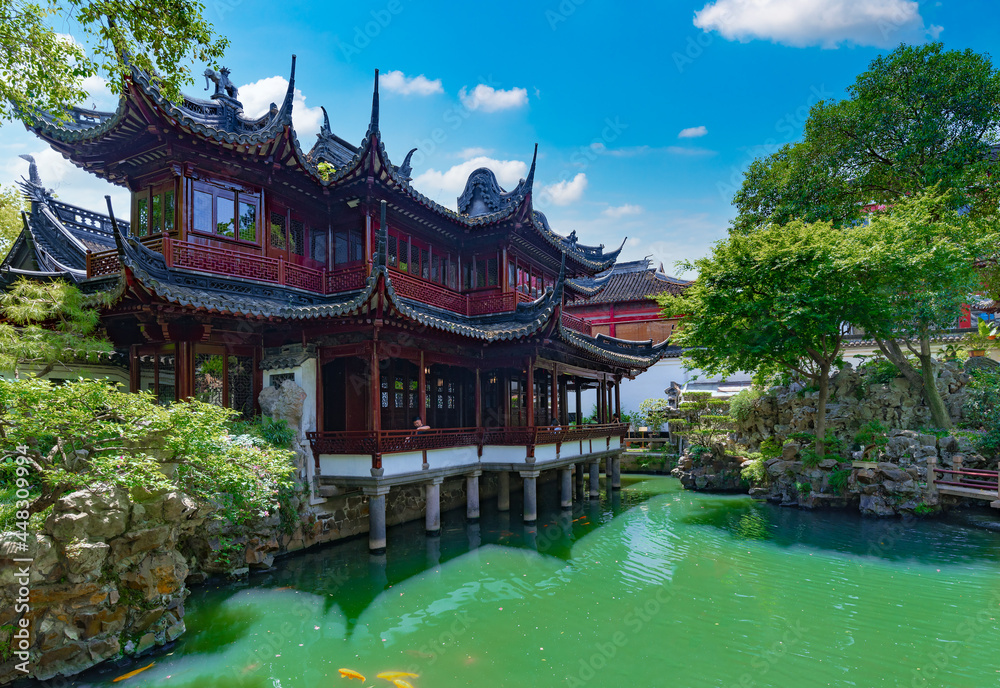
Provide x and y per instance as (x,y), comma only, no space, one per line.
(601,400)
(579,402)
(530,401)
(375,390)
(618,398)
(479,397)
(554,419)
(422,390)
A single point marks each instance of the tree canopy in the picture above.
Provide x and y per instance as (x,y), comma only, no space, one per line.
(918,117)
(11,205)
(42,70)
(774,300)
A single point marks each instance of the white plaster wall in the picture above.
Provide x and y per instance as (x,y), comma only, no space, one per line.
(346,465)
(403,462)
(452,457)
(500,454)
(545,452)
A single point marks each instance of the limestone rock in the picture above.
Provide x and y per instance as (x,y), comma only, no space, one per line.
(283,403)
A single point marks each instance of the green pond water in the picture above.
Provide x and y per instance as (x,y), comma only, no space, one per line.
(652,587)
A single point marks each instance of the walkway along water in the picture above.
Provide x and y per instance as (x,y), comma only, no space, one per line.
(647,586)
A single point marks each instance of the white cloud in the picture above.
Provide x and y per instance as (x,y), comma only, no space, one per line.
(489,99)
(445,187)
(473,152)
(566,191)
(621,210)
(692,132)
(398,82)
(827,23)
(258,96)
(632,151)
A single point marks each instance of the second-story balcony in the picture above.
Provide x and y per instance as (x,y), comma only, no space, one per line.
(221,261)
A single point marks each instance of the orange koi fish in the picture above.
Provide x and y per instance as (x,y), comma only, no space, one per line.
(132,673)
(350,673)
(402,683)
(393,675)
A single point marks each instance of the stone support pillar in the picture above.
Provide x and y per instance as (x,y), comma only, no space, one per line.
(432,520)
(616,471)
(578,469)
(566,491)
(595,479)
(530,496)
(503,492)
(376,518)
(472,496)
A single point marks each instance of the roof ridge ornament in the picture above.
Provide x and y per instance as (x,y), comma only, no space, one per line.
(405,170)
(373,123)
(224,87)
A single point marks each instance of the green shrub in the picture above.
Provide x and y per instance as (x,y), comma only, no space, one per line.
(85,432)
(771,447)
(878,370)
(755,472)
(743,403)
(838,479)
(872,433)
(804,488)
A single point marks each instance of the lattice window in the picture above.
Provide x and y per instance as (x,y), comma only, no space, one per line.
(392,250)
(168,211)
(414,260)
(297,237)
(248,221)
(240,384)
(492,272)
(357,245)
(317,245)
(279,233)
(436,269)
(278,379)
(142,217)
(340,255)
(384,384)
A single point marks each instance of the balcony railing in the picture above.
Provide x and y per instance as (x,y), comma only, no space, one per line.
(221,261)
(377,443)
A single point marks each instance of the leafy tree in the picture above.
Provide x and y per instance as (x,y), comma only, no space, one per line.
(774,300)
(653,413)
(704,422)
(88,434)
(44,71)
(48,323)
(11,205)
(918,117)
(915,262)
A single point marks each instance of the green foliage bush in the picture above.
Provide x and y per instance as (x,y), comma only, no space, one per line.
(86,433)
(982,409)
(872,433)
(838,479)
(878,370)
(755,472)
(742,404)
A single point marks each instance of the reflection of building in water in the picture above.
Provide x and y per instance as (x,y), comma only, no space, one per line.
(244,262)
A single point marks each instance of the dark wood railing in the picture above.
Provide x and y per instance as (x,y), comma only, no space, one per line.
(185,254)
(575,323)
(377,443)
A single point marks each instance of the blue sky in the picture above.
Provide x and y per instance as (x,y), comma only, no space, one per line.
(646,114)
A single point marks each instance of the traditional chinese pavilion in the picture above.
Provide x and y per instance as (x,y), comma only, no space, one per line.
(247,261)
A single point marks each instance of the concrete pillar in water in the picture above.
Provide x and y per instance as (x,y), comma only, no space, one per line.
(376,518)
(578,469)
(432,520)
(472,530)
(472,496)
(566,501)
(616,471)
(503,492)
(530,496)
(595,479)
